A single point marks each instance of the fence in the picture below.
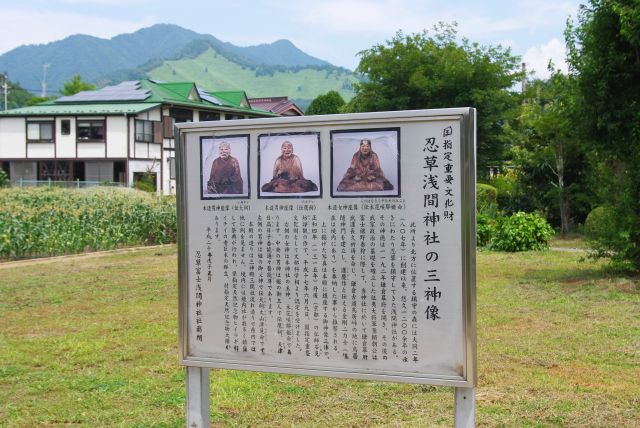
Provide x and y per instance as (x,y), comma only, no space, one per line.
(66,184)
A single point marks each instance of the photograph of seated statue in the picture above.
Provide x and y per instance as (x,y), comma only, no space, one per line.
(365,163)
(289,165)
(364,173)
(225,169)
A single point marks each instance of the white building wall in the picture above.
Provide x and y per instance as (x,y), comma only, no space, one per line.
(155,151)
(140,151)
(13,137)
(150,115)
(41,150)
(91,150)
(116,137)
(168,184)
(66,144)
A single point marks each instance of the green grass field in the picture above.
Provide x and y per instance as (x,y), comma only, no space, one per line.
(214,72)
(92,341)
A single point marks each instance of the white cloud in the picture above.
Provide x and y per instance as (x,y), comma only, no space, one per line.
(537,58)
(105,2)
(29,27)
(360,16)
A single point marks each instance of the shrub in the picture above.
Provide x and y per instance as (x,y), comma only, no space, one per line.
(506,185)
(52,221)
(146,183)
(609,237)
(485,228)
(522,232)
(486,199)
(4,179)
(512,195)
(599,223)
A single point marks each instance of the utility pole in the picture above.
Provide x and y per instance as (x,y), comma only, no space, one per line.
(524,77)
(5,87)
(43,94)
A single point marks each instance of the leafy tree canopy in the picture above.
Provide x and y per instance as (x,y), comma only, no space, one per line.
(329,103)
(421,70)
(75,85)
(604,57)
(16,97)
(548,151)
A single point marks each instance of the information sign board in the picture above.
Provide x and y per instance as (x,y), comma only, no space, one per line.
(338,245)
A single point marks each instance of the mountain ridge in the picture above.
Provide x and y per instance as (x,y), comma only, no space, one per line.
(123,56)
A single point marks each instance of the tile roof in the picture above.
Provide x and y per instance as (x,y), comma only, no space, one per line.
(278,105)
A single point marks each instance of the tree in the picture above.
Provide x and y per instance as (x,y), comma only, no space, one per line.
(547,148)
(329,103)
(604,57)
(16,97)
(75,85)
(422,71)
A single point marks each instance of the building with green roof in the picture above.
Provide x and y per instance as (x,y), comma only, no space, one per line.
(117,133)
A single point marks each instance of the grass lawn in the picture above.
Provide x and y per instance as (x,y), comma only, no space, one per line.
(571,241)
(92,341)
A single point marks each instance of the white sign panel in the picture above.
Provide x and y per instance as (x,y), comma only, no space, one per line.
(337,245)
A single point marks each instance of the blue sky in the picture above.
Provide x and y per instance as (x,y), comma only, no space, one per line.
(333,30)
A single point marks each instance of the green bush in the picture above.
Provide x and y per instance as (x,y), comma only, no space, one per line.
(4,179)
(507,187)
(53,221)
(599,223)
(609,237)
(485,228)
(146,183)
(512,195)
(486,199)
(522,232)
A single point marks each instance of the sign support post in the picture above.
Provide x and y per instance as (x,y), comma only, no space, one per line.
(464,414)
(198,408)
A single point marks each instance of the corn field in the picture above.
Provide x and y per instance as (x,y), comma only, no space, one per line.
(52,221)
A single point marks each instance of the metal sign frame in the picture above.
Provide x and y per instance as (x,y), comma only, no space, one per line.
(466,116)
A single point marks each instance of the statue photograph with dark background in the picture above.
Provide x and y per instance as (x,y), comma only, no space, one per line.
(365,163)
(288,169)
(224,166)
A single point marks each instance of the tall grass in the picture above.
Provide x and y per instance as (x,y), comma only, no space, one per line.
(49,221)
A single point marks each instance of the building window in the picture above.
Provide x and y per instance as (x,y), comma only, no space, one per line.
(65,127)
(233,116)
(91,130)
(181,115)
(40,132)
(144,131)
(206,116)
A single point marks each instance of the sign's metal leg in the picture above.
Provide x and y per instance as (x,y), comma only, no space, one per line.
(198,397)
(465,408)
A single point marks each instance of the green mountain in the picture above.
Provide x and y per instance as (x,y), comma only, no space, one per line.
(169,52)
(91,57)
(212,70)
